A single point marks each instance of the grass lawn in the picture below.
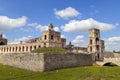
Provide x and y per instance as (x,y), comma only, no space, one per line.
(79,73)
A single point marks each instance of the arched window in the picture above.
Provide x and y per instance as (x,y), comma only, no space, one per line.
(97,41)
(45,37)
(16,49)
(34,47)
(90,41)
(51,37)
(19,48)
(26,48)
(13,49)
(23,48)
(30,48)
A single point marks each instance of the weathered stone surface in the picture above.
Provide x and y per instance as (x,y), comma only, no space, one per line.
(58,61)
(29,61)
(110,57)
(45,62)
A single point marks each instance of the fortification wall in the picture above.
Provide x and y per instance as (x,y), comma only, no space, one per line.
(29,61)
(58,61)
(45,62)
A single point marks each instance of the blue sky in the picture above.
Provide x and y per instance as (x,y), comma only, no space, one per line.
(25,19)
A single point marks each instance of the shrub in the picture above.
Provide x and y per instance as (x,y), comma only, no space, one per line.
(50,50)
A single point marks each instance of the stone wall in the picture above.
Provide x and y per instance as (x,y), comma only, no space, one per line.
(58,61)
(45,62)
(29,61)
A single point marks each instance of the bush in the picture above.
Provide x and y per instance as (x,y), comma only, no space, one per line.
(50,50)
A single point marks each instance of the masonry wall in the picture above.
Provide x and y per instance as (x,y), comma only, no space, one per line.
(58,61)
(29,61)
(45,62)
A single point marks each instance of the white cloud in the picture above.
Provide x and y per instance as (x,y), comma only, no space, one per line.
(66,13)
(24,30)
(114,39)
(17,41)
(112,43)
(7,23)
(33,24)
(84,25)
(56,28)
(79,41)
(63,36)
(42,27)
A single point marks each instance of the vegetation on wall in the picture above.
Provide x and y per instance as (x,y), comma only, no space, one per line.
(50,50)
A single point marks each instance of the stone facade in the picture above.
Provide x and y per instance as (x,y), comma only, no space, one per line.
(49,38)
(45,62)
(80,50)
(52,38)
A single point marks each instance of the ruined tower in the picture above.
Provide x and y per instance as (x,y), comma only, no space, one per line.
(95,45)
(52,38)
(93,41)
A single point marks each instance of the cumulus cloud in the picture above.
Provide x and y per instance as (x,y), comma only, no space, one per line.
(114,39)
(112,43)
(79,41)
(42,27)
(56,28)
(33,24)
(84,25)
(63,36)
(66,13)
(7,23)
(17,41)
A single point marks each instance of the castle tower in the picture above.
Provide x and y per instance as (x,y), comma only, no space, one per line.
(102,48)
(52,38)
(94,38)
(93,43)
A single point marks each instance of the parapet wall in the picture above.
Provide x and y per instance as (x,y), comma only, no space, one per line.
(45,62)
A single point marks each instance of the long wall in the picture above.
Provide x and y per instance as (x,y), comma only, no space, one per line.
(45,62)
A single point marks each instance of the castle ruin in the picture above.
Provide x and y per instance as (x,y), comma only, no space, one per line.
(49,38)
(52,38)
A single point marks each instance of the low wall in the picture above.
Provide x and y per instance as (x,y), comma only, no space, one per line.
(45,62)
(29,61)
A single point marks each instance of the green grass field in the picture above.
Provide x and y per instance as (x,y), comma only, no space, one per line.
(79,73)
